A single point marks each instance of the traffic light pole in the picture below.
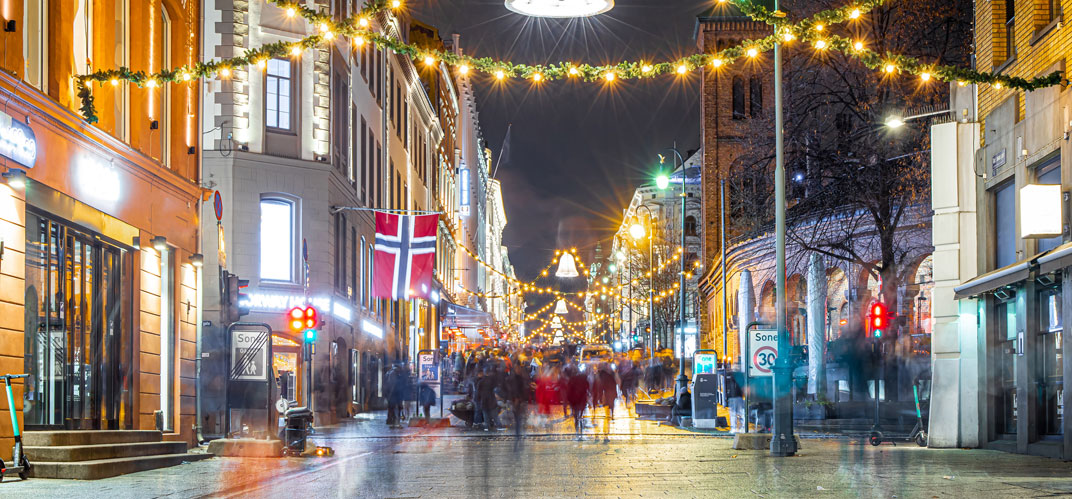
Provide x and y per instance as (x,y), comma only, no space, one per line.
(783,443)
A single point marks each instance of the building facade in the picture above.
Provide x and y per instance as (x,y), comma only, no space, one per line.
(302,149)
(730,98)
(99,221)
(1003,296)
(661,209)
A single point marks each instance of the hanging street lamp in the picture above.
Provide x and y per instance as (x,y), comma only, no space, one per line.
(560,8)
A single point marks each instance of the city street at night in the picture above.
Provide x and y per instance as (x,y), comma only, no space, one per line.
(535,248)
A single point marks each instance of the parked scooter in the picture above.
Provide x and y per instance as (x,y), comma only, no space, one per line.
(22,465)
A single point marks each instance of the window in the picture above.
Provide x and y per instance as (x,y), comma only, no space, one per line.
(738,98)
(340,253)
(755,96)
(1049,173)
(365,154)
(340,103)
(277,94)
(690,225)
(352,255)
(370,271)
(377,182)
(165,90)
(120,58)
(364,274)
(35,42)
(1045,12)
(1010,29)
(277,240)
(1005,224)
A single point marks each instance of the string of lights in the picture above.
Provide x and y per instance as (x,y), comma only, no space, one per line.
(358,28)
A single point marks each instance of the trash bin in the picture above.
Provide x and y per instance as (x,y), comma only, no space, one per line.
(299,420)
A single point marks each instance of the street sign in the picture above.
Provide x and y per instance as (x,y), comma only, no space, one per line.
(762,351)
(249,355)
(217,205)
(705,363)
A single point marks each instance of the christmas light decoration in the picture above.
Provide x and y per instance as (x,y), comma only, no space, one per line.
(806,29)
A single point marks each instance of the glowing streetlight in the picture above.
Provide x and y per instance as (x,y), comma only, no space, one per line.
(560,8)
(662,181)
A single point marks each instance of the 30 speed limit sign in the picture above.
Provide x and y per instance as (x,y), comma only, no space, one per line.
(763,350)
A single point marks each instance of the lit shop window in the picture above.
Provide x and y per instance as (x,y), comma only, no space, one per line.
(277,240)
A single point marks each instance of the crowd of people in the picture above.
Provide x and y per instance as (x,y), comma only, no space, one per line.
(557,383)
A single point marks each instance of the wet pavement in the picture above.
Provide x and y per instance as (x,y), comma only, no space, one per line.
(627,458)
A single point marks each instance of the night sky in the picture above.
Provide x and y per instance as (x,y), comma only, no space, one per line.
(577,150)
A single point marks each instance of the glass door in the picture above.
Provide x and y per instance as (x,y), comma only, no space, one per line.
(1050,380)
(75,325)
(1007,358)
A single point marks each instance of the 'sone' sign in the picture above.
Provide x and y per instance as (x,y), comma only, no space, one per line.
(762,351)
(249,355)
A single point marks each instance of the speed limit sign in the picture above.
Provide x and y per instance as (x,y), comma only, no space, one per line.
(763,351)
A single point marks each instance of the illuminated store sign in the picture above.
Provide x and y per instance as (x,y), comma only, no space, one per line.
(273,302)
(17,141)
(98,179)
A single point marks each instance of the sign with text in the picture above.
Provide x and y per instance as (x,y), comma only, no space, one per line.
(17,141)
(704,363)
(762,351)
(427,368)
(249,355)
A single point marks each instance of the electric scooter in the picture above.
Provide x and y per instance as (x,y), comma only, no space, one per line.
(918,434)
(17,457)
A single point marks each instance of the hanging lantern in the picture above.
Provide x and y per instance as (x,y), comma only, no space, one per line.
(567,267)
(560,8)
(560,308)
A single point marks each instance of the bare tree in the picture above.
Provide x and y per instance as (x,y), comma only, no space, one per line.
(854,183)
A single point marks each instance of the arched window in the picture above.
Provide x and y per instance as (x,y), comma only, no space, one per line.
(690,225)
(738,98)
(755,96)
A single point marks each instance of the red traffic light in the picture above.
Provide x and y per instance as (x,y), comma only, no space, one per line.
(879,318)
(299,319)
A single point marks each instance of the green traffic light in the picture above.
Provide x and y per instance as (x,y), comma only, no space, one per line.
(310,335)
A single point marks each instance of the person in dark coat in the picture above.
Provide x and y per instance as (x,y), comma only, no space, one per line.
(485,399)
(427,398)
(394,387)
(577,398)
(517,391)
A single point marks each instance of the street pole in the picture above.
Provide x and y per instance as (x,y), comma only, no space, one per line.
(651,291)
(783,442)
(682,379)
(725,299)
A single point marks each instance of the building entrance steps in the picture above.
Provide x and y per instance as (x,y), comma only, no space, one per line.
(90,455)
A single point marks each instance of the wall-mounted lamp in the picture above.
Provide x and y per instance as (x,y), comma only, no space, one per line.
(136,242)
(15,177)
(160,243)
(197,260)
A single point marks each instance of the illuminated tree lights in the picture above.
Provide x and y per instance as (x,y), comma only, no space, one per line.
(812,31)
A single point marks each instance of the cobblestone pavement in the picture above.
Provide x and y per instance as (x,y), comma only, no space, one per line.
(641,459)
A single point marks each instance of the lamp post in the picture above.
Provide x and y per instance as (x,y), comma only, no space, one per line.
(636,229)
(782,441)
(664,182)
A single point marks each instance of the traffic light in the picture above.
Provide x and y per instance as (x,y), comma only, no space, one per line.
(879,319)
(303,321)
(235,304)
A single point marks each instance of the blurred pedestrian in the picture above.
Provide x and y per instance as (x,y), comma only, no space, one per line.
(577,398)
(517,390)
(486,401)
(394,386)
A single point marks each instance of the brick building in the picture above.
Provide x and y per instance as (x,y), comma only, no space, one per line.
(730,97)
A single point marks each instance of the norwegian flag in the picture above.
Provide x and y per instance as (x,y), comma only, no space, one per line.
(405,255)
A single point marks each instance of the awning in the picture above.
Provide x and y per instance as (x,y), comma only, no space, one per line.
(993,280)
(465,317)
(1056,259)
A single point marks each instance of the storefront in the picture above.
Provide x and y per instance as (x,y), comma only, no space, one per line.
(98,271)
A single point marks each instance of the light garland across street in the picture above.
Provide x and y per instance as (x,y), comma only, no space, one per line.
(358,28)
